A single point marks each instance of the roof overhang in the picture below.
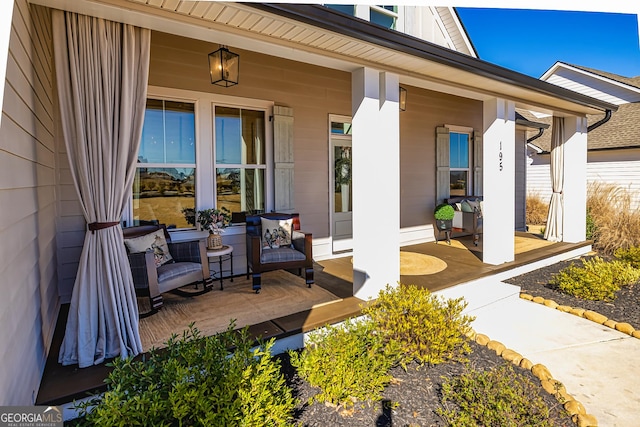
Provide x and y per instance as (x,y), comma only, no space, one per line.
(562,65)
(320,36)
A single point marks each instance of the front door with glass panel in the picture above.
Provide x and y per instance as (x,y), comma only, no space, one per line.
(341,183)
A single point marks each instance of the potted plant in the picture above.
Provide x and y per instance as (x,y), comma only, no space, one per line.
(444,216)
(214,220)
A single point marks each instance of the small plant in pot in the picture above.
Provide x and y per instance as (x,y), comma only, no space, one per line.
(444,216)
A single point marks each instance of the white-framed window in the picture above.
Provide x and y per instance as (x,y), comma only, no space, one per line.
(240,159)
(386,16)
(202,150)
(164,184)
(460,160)
(459,165)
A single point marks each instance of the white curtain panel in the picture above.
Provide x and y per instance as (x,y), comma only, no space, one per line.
(554,229)
(102,70)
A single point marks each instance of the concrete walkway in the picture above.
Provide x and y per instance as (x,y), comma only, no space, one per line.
(598,365)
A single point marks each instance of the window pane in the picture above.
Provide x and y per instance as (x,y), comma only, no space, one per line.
(168,134)
(383,19)
(152,143)
(179,132)
(339,128)
(253,137)
(239,136)
(228,135)
(240,190)
(459,150)
(458,183)
(349,9)
(162,193)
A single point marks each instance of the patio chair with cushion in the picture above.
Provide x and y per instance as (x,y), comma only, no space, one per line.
(275,242)
(160,266)
(468,215)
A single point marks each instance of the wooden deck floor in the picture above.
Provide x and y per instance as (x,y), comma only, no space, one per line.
(62,384)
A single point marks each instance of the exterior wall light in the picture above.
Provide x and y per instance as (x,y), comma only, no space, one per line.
(224,67)
(402,101)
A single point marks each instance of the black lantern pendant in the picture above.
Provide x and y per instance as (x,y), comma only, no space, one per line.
(224,67)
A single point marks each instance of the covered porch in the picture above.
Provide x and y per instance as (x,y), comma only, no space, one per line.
(303,66)
(301,314)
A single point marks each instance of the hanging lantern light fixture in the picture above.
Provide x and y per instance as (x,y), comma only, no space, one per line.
(224,67)
(402,101)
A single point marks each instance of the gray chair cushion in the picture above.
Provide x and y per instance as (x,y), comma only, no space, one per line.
(280,255)
(171,276)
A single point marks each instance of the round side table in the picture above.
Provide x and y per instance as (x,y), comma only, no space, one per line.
(225,253)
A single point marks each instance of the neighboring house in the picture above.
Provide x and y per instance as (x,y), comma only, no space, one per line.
(316,87)
(613,148)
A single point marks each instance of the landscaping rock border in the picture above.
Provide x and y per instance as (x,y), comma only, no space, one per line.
(549,384)
(598,318)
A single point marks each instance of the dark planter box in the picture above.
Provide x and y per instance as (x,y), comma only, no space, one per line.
(444,224)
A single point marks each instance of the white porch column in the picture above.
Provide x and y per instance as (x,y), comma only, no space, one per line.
(376,182)
(575,179)
(498,223)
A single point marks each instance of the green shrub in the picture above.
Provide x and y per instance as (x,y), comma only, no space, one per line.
(497,397)
(596,279)
(592,228)
(630,256)
(427,328)
(196,381)
(349,362)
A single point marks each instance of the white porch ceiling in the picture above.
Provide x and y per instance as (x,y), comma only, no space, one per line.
(244,27)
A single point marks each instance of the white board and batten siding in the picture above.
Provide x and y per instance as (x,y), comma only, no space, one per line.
(478,161)
(442,164)
(29,305)
(283,152)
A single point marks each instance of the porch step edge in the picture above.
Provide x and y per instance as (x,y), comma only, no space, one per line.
(481,292)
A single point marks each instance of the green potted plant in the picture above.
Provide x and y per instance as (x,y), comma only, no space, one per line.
(444,216)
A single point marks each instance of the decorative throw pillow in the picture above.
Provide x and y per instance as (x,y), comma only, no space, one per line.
(465,206)
(154,241)
(276,232)
(476,205)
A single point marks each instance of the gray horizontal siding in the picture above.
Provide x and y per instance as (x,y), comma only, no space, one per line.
(29,303)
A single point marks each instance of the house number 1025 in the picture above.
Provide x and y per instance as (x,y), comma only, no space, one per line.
(500,156)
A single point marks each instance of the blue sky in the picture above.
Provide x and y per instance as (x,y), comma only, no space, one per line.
(531,41)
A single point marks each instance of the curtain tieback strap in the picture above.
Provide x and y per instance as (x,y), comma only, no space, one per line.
(101,225)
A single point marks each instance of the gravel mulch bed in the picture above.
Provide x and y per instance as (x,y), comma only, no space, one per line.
(624,308)
(412,400)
